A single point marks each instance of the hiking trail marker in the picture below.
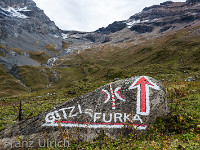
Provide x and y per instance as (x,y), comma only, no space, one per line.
(113,94)
(143,84)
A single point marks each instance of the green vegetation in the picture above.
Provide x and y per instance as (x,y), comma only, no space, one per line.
(65,45)
(170,59)
(36,78)
(9,85)
(179,130)
(1,52)
(18,51)
(52,48)
(2,47)
(39,56)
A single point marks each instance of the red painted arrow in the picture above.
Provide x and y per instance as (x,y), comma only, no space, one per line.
(142,81)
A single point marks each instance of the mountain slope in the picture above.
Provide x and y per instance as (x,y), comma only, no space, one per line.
(25,31)
(154,21)
(29,41)
(156,40)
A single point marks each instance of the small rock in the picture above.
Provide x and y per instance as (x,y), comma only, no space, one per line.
(116,79)
(189,79)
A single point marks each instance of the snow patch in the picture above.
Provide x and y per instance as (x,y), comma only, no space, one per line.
(145,20)
(15,12)
(65,36)
(23,9)
(131,23)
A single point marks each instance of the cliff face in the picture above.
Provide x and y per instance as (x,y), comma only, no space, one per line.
(26,30)
(21,15)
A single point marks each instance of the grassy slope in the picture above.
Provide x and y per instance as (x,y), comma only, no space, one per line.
(170,59)
(9,85)
(37,78)
(172,54)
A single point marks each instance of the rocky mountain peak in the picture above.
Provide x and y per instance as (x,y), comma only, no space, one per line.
(158,6)
(17,3)
(164,16)
(25,27)
(24,14)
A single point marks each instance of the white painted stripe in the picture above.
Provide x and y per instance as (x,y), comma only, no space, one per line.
(108,95)
(117,95)
(90,126)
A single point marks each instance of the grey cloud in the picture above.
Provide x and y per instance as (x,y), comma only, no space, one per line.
(89,15)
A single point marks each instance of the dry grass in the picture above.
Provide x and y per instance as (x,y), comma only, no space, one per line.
(51,47)
(18,51)
(65,45)
(39,56)
(3,48)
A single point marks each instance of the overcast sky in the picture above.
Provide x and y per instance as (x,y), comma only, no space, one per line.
(89,15)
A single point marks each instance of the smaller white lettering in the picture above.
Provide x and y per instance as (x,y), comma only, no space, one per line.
(96,117)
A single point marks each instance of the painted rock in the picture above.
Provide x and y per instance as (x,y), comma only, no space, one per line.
(118,108)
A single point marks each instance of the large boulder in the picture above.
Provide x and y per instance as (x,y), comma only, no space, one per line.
(117,109)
